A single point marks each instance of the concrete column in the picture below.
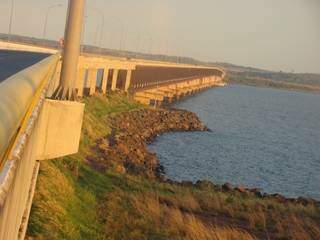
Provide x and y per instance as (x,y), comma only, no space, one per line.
(114,79)
(80,81)
(105,80)
(128,80)
(71,50)
(92,78)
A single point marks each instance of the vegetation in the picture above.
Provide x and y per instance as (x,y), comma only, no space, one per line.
(68,189)
(75,201)
(290,81)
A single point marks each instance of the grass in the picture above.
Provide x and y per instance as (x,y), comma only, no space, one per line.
(141,215)
(68,190)
(74,201)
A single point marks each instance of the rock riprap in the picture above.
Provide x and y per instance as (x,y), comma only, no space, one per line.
(125,149)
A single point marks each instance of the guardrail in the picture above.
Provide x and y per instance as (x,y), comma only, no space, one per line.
(16,96)
(21,99)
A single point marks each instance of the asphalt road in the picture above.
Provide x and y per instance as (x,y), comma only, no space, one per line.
(12,62)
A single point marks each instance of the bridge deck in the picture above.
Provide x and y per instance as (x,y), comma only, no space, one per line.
(12,62)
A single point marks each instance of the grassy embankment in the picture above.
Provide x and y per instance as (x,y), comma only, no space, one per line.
(74,201)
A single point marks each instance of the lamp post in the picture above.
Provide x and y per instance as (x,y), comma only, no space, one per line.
(71,51)
(83,34)
(99,42)
(122,33)
(122,37)
(150,46)
(11,19)
(138,42)
(102,29)
(46,19)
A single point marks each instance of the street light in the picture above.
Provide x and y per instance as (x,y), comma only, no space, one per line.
(137,42)
(46,19)
(99,42)
(71,50)
(11,19)
(122,32)
(83,34)
(150,46)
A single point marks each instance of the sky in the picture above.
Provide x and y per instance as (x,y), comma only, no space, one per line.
(270,34)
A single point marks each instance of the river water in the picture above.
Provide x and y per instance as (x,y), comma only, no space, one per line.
(261,137)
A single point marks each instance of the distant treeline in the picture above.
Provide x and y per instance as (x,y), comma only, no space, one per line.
(303,82)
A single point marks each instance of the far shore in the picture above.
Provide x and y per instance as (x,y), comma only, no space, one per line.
(275,84)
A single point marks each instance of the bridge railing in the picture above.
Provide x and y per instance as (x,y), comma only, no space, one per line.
(142,86)
(17,94)
(21,99)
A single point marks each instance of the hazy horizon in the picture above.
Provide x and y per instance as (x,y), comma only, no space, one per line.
(268,34)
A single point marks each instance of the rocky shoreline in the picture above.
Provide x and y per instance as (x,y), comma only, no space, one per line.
(125,149)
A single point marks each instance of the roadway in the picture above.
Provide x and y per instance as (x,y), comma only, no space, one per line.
(12,62)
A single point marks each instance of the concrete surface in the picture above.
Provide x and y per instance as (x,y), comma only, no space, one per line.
(59,129)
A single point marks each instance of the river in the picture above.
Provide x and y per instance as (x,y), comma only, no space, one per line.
(261,137)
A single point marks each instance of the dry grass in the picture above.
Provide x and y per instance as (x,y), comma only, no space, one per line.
(143,216)
(265,218)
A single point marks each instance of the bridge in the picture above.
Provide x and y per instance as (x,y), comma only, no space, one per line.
(37,123)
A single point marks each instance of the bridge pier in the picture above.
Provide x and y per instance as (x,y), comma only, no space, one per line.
(105,77)
(80,81)
(128,80)
(114,79)
(92,79)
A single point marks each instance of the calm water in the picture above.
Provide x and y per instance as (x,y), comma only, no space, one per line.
(260,137)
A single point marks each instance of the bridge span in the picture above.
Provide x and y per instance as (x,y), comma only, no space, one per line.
(149,82)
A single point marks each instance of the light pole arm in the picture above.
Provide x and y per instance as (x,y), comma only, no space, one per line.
(11,19)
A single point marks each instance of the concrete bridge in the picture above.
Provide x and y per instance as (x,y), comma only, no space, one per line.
(36,124)
(148,82)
